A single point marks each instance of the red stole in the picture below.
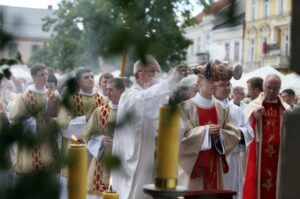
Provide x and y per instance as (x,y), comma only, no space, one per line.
(269,155)
(206,165)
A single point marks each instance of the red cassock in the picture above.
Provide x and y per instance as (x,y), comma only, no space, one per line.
(269,155)
(207,162)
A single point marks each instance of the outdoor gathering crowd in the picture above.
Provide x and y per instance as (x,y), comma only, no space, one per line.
(228,139)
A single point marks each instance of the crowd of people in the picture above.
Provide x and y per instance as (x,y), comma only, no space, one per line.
(229,139)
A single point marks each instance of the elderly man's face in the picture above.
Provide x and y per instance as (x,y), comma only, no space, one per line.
(148,76)
(271,88)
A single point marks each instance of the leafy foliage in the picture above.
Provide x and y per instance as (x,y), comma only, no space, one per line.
(84,30)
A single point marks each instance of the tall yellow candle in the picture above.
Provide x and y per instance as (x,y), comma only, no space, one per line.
(77,171)
(167,147)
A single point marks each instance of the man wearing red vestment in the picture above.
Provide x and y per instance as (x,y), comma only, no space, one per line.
(208,137)
(266,114)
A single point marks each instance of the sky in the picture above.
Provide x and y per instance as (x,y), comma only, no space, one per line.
(44,4)
(30,3)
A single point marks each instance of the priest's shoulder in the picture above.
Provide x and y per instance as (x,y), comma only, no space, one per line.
(187,104)
(220,106)
(101,109)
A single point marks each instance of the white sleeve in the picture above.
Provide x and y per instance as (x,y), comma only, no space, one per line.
(95,146)
(206,144)
(247,131)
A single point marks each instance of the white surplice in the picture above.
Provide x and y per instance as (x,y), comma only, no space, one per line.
(134,139)
(234,179)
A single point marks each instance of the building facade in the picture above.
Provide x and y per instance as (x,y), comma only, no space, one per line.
(25,27)
(267,34)
(198,51)
(216,36)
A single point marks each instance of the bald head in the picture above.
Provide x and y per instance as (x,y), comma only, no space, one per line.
(273,78)
(146,72)
(149,62)
(272,86)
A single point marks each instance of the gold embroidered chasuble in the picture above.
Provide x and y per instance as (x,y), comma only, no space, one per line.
(33,104)
(254,183)
(102,122)
(81,105)
(193,138)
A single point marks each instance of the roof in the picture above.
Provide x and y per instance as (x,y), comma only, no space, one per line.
(215,7)
(25,22)
(233,22)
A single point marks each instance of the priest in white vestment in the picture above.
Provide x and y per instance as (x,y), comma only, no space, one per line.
(233,180)
(134,139)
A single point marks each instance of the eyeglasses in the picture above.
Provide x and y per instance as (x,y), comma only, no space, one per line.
(152,71)
(224,85)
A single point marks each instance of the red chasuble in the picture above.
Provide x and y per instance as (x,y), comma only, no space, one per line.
(269,155)
(206,165)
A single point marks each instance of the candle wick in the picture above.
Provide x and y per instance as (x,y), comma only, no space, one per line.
(109,188)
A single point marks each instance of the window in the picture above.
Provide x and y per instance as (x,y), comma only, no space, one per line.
(198,44)
(266,8)
(227,51)
(252,50)
(192,49)
(253,10)
(12,49)
(286,45)
(281,6)
(236,51)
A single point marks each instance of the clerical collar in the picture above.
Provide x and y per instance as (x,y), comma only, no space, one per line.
(81,92)
(224,102)
(113,106)
(201,101)
(34,89)
(101,92)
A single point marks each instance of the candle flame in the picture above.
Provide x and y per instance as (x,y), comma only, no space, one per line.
(110,180)
(74,138)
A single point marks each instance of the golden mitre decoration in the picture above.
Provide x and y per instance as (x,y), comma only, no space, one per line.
(218,70)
